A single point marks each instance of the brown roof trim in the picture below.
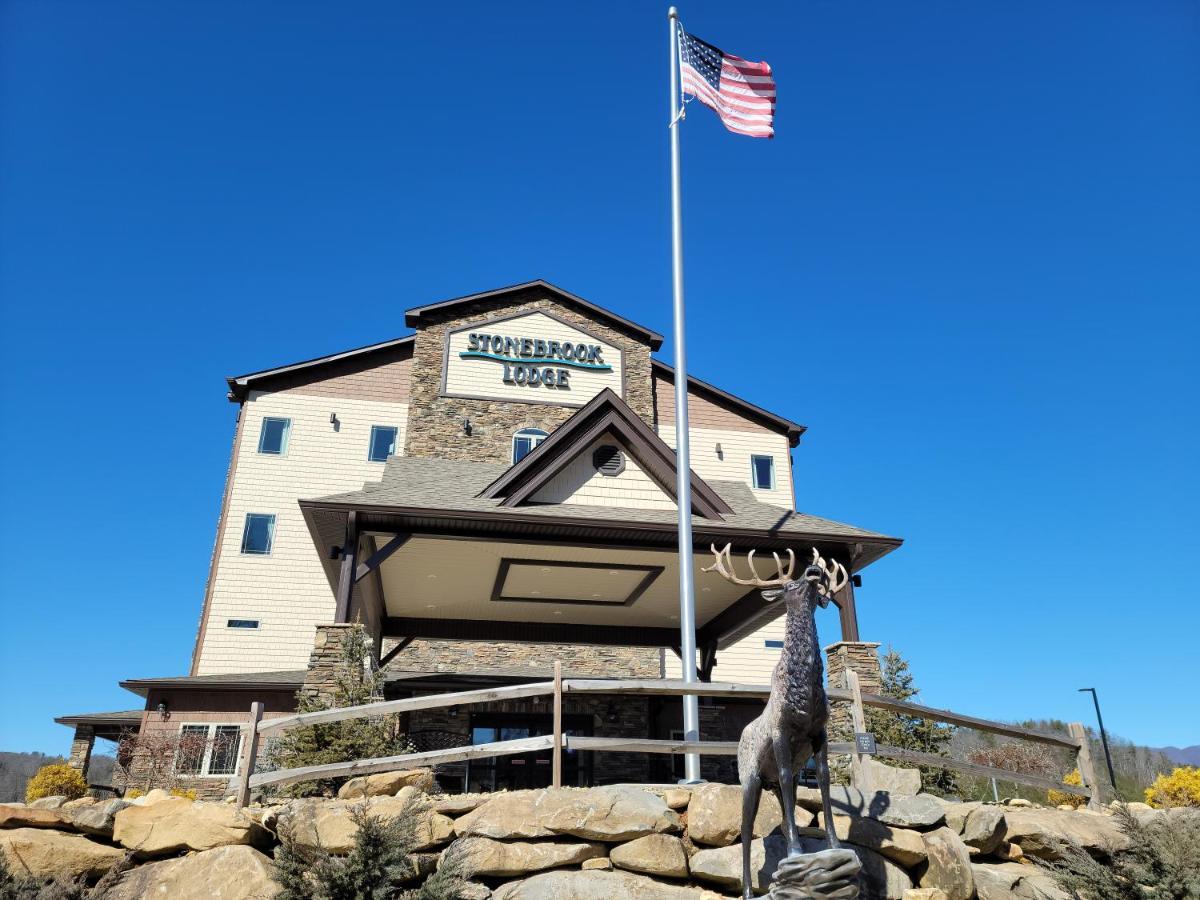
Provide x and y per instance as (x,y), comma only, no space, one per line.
(779,423)
(246,682)
(606,412)
(241,385)
(413,317)
(124,717)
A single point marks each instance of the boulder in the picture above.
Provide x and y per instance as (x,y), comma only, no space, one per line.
(1041,832)
(151,797)
(386,783)
(32,817)
(893,779)
(922,811)
(1008,880)
(984,829)
(598,885)
(715,815)
(43,853)
(330,823)
(949,864)
(98,818)
(80,801)
(54,802)
(676,798)
(618,813)
(229,873)
(1019,802)
(956,814)
(176,824)
(500,859)
(898,844)
(454,805)
(654,854)
(598,862)
(925,894)
(723,866)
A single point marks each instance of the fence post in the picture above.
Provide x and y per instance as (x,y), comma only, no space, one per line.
(858,771)
(249,754)
(556,751)
(1087,773)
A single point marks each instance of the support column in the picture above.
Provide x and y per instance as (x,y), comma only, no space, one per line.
(861,657)
(81,748)
(326,662)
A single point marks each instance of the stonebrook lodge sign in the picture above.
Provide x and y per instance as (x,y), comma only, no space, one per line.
(530,355)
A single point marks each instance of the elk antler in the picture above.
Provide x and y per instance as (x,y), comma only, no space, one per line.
(835,574)
(723,566)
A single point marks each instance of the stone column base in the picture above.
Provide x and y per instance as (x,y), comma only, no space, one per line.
(863,658)
(325,663)
(81,748)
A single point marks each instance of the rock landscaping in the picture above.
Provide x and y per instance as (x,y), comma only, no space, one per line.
(624,842)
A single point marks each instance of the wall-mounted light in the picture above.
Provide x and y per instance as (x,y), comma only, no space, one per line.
(720,452)
(333,420)
(162,710)
(856,580)
(610,714)
(467,427)
(452,712)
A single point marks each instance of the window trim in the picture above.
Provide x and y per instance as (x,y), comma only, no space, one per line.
(209,741)
(531,434)
(371,443)
(754,457)
(270,535)
(287,435)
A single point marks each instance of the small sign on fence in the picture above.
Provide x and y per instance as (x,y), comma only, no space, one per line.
(864,742)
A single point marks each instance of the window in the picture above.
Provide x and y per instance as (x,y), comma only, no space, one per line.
(208,749)
(773,645)
(259,533)
(383,443)
(273,439)
(242,623)
(525,440)
(762,472)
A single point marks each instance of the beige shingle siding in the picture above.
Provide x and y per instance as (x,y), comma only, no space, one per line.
(387,382)
(580,484)
(749,661)
(287,591)
(733,462)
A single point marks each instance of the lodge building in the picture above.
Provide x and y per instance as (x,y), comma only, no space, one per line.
(494,492)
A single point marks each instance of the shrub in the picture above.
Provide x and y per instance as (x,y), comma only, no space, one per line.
(310,745)
(379,863)
(1180,788)
(1062,798)
(55,781)
(1162,861)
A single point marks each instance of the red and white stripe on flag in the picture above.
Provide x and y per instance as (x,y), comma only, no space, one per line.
(742,93)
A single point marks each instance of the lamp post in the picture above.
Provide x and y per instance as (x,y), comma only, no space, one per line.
(1103,738)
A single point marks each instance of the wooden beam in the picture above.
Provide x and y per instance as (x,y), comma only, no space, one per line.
(391,654)
(665,687)
(404,761)
(847,611)
(743,613)
(345,588)
(556,748)
(641,745)
(378,556)
(249,753)
(708,661)
(535,632)
(1087,771)
(859,776)
(943,762)
(390,707)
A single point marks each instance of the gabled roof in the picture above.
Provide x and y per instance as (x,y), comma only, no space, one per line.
(413,318)
(241,385)
(695,385)
(227,681)
(605,414)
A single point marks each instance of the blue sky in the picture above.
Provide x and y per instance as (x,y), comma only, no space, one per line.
(968,262)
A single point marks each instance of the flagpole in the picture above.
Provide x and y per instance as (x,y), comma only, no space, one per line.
(683,480)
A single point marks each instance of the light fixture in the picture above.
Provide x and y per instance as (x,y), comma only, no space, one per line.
(162,710)
(856,580)
(452,712)
(333,420)
(610,714)
(467,427)
(720,452)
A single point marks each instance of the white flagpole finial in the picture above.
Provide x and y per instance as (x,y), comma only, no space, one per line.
(672,13)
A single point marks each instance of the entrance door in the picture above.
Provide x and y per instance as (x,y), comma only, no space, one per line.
(524,770)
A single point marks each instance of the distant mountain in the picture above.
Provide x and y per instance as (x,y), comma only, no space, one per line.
(1182,756)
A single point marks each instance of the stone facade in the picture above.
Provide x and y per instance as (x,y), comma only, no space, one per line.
(863,658)
(436,422)
(81,748)
(483,656)
(325,664)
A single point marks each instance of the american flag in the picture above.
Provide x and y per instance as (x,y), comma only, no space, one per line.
(741,92)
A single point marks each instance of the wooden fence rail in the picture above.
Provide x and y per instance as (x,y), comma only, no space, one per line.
(557,742)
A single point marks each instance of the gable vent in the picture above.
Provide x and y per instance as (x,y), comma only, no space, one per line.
(608,460)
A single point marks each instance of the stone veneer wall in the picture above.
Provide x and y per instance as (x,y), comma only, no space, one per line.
(81,748)
(325,663)
(863,658)
(484,656)
(436,422)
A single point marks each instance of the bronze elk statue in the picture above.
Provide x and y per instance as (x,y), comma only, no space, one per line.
(775,747)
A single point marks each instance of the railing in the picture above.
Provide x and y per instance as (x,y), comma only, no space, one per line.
(558,742)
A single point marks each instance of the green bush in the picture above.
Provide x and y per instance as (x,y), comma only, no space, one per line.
(55,781)
(1162,862)
(311,745)
(379,864)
